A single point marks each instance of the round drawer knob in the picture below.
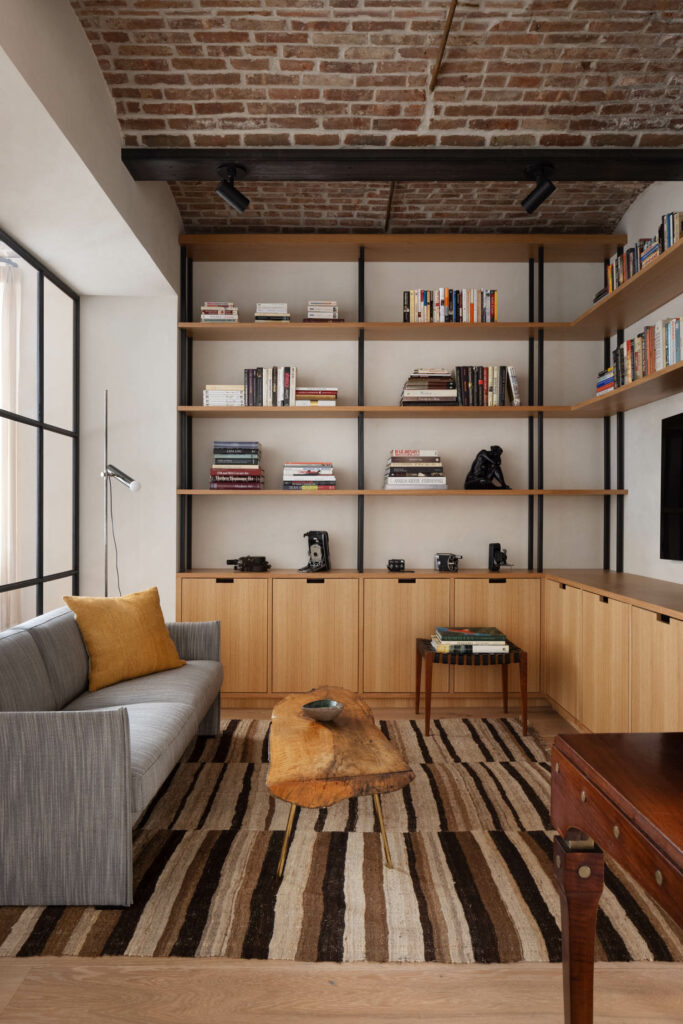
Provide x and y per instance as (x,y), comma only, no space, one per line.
(584,871)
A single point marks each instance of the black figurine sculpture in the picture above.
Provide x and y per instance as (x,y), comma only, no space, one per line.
(485,472)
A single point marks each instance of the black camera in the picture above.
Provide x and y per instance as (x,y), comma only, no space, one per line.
(396,565)
(444,561)
(249,563)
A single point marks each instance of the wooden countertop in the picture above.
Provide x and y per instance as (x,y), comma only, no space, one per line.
(657,595)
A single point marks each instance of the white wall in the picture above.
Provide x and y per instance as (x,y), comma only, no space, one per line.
(129,346)
(643,427)
(403,527)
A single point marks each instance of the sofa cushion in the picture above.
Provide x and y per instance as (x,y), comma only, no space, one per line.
(126,637)
(159,733)
(197,685)
(61,646)
(24,682)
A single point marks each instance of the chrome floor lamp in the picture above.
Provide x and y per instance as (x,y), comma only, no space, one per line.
(108,474)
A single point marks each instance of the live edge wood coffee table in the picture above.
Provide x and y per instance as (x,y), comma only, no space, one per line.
(623,791)
(426,653)
(316,764)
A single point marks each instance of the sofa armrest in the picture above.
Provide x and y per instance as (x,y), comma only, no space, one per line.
(65,819)
(196,641)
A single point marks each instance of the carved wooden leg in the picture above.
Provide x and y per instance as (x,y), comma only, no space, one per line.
(418,679)
(523,689)
(504,667)
(579,877)
(429,661)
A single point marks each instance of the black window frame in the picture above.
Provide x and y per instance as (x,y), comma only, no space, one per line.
(39,423)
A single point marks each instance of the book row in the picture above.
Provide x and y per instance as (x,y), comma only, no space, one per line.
(638,256)
(464,385)
(654,348)
(215,311)
(450,305)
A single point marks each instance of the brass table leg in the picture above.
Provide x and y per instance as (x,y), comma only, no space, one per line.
(288,832)
(378,808)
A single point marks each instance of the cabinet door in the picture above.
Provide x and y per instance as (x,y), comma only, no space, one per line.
(242,610)
(561,663)
(514,606)
(656,673)
(395,614)
(604,704)
(315,634)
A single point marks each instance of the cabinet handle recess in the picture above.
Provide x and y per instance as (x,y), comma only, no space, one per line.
(315,581)
(503,580)
(227,579)
(407,581)
(563,586)
(604,600)
(663,618)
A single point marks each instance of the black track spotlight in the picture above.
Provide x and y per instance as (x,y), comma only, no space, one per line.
(544,186)
(227,191)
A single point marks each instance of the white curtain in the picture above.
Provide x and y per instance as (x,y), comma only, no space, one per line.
(10,306)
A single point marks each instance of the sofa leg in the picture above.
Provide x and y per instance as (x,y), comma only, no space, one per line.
(210,724)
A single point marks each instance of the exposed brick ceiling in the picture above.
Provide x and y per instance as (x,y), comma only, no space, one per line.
(335,73)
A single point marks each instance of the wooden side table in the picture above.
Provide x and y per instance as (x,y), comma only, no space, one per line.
(426,653)
(622,791)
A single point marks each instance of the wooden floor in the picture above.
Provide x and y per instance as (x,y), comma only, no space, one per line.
(127,990)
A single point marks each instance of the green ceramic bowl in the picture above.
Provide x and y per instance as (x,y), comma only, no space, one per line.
(322,710)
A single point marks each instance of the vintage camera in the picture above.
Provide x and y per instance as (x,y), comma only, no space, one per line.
(396,565)
(444,561)
(249,563)
(497,556)
(318,551)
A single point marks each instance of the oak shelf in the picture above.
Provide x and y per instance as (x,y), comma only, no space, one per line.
(400,248)
(398,330)
(426,493)
(376,411)
(660,384)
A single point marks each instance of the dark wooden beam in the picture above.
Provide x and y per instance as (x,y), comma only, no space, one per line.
(442,47)
(420,164)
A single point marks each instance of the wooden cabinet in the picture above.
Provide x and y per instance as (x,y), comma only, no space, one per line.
(604,698)
(241,606)
(656,672)
(514,606)
(315,633)
(561,660)
(395,613)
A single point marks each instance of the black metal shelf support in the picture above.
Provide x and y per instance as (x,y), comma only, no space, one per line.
(531,386)
(360,540)
(607,477)
(539,401)
(620,480)
(184,561)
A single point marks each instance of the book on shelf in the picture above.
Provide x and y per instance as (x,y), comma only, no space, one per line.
(308,476)
(444,647)
(418,470)
(269,385)
(470,634)
(321,309)
(654,348)
(271,311)
(236,466)
(219,312)
(223,394)
(310,396)
(465,385)
(639,255)
(450,305)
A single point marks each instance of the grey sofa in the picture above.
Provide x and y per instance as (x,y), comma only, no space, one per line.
(78,769)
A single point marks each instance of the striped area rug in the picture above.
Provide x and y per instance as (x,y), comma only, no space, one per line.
(470,838)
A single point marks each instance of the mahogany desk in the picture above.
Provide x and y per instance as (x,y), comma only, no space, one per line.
(625,791)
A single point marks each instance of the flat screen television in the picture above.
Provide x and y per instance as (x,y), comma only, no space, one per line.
(671,520)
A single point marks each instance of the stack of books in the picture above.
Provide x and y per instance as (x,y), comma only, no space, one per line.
(322,309)
(316,396)
(220,312)
(670,230)
(414,469)
(469,640)
(270,385)
(486,385)
(275,312)
(308,476)
(654,348)
(636,257)
(605,381)
(450,305)
(429,387)
(236,466)
(223,394)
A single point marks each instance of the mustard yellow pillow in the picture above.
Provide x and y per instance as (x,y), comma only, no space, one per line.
(126,636)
